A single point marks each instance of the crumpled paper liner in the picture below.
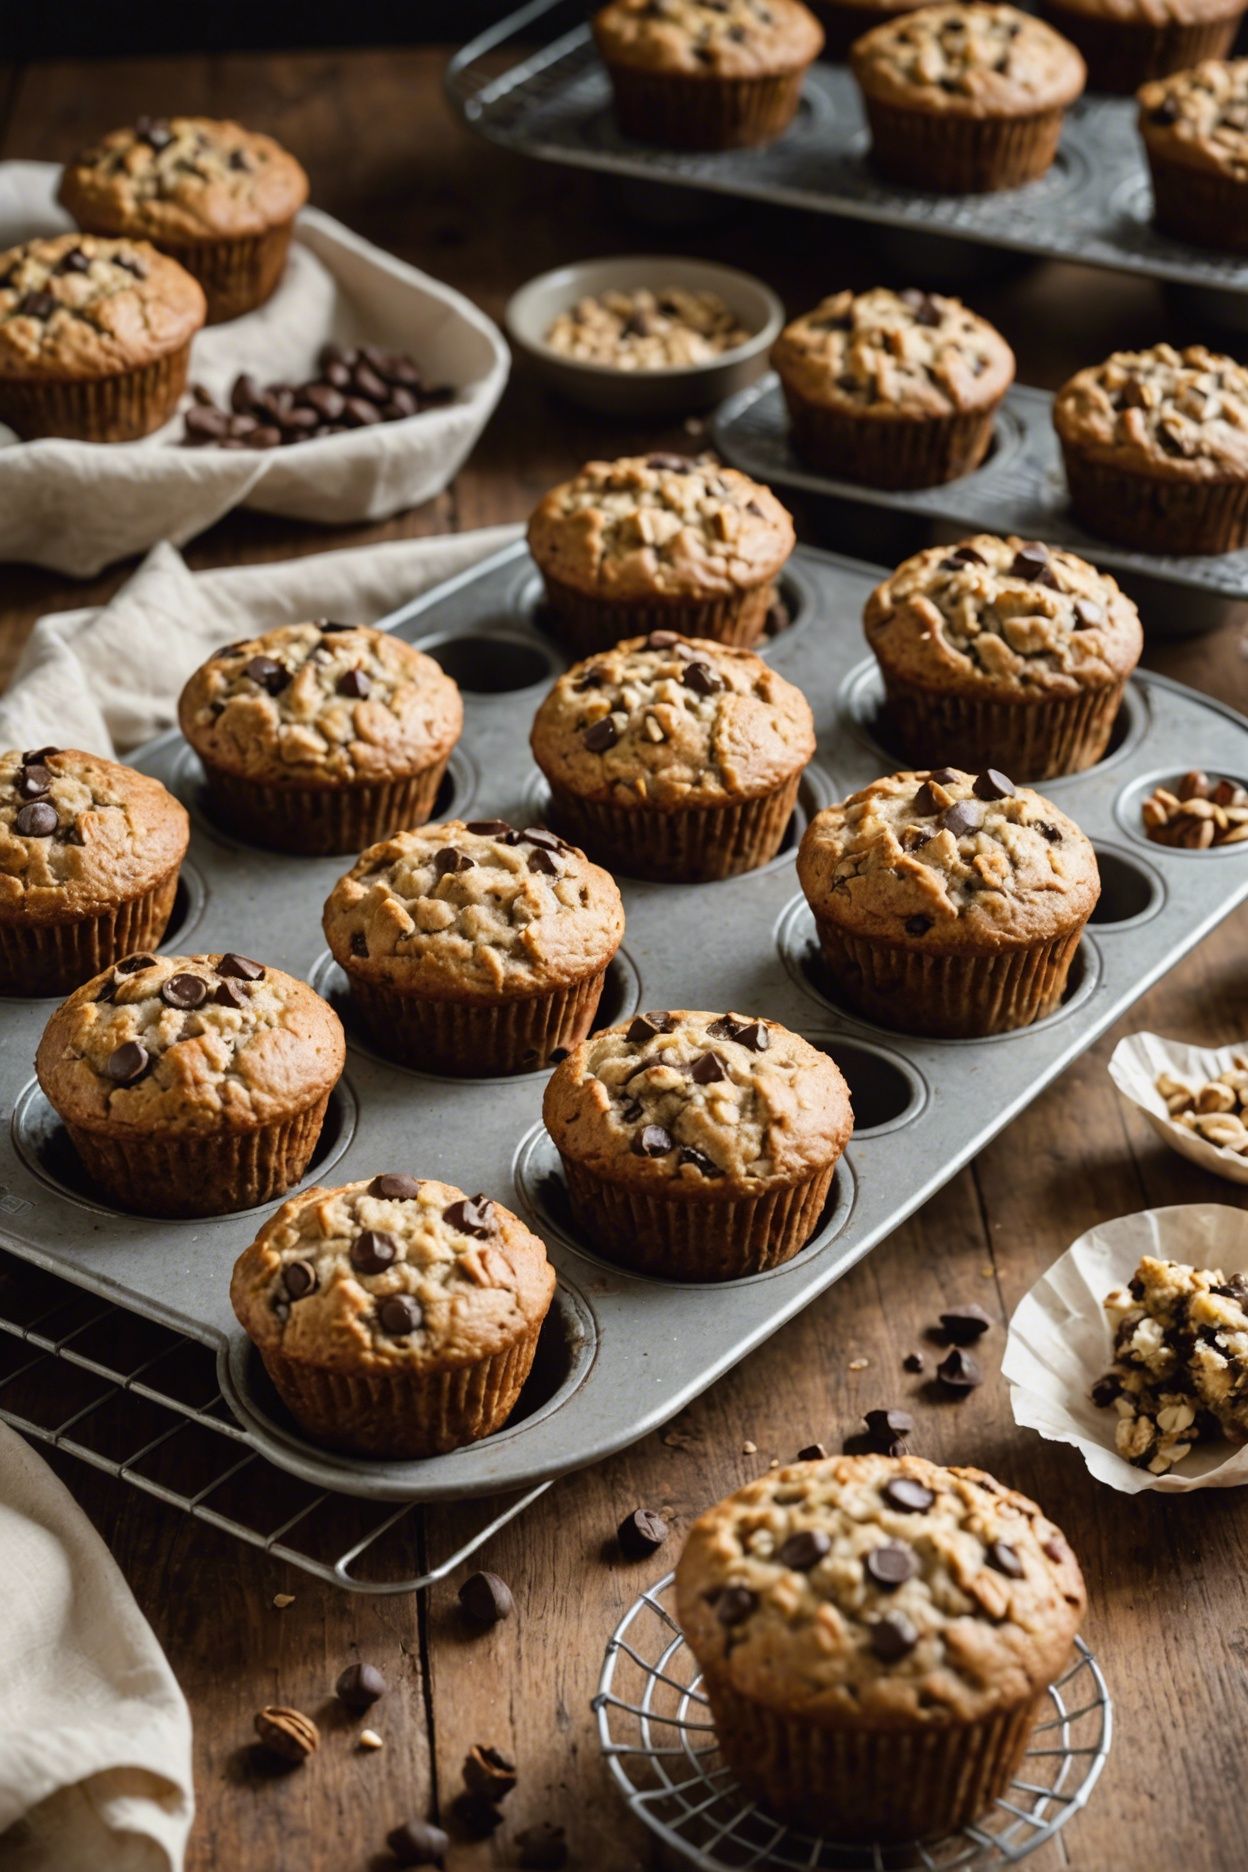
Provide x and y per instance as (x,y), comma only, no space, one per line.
(1060,1343)
(1134,1066)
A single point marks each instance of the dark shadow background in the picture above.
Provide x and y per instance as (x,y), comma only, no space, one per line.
(91,27)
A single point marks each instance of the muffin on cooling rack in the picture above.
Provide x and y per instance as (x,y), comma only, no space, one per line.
(396,1316)
(1127,42)
(192,1085)
(877,1636)
(89,860)
(1195,131)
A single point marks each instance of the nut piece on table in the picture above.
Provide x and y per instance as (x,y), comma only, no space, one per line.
(287,1732)
(1200,813)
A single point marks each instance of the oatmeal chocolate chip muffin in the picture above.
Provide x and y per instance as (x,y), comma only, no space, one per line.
(1003,650)
(95,337)
(222,200)
(396,1317)
(895,389)
(1195,131)
(192,1085)
(321,737)
(659,542)
(1127,42)
(965,99)
(1156,449)
(674,757)
(948,903)
(706,74)
(877,1636)
(698,1146)
(89,861)
(475,949)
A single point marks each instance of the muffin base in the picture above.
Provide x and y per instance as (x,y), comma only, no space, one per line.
(1199,206)
(237,275)
(186,1175)
(1121,55)
(586,624)
(691,846)
(320,822)
(404,1414)
(55,958)
(676,112)
(947,155)
(950,994)
(697,1239)
(888,451)
(120,408)
(1028,740)
(1157,515)
(476,1039)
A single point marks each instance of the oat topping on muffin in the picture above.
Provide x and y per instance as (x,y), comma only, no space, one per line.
(1200,117)
(1181,412)
(658,328)
(184,179)
(78,304)
(80,829)
(916,353)
(967,58)
(718,38)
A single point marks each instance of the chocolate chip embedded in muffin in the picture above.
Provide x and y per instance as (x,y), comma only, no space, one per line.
(1194,125)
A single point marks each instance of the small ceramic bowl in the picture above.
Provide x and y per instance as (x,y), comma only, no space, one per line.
(675,390)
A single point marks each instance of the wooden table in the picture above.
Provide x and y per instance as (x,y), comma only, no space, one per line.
(1169,1592)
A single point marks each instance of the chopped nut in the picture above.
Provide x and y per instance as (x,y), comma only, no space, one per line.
(369,1739)
(859,1364)
(1201,813)
(282,1599)
(748,1448)
(287,1732)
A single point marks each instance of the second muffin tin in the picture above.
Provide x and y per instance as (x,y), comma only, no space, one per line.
(620,1354)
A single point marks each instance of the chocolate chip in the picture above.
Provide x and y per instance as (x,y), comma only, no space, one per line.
(1087,614)
(992,784)
(913,1362)
(601,735)
(75,261)
(907,1496)
(132,265)
(1047,830)
(701,678)
(804,1550)
(886,1425)
(698,1160)
(399,1314)
(812,1452)
(674,464)
(753,1035)
(448,861)
(1055,1549)
(155,132)
(107,993)
(733,1604)
(891,1564)
(241,966)
(476,1815)
(646,1026)
(127,1063)
(924,307)
(1004,1559)
(965,1324)
(184,991)
(652,1141)
(488,828)
(229,994)
(708,1069)
(38,820)
(958,1371)
(130,965)
(925,802)
(395,1187)
(36,305)
(299,1279)
(542,862)
(207,425)
(471,1215)
(356,683)
(35,757)
(486,1598)
(661,640)
(270,676)
(1031,562)
(33,782)
(893,1637)
(1167,112)
(360,1686)
(962,556)
(544,840)
(1106,1389)
(962,817)
(373,1251)
(542,1847)
(641,1533)
(418,1843)
(918,925)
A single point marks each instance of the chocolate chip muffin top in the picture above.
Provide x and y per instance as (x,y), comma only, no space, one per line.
(183,180)
(689,1100)
(78,833)
(948,859)
(396,1270)
(470,911)
(1181,415)
(664,721)
(321,702)
(660,526)
(969,61)
(1007,615)
(193,1043)
(77,306)
(879,1592)
(884,353)
(709,38)
(1200,117)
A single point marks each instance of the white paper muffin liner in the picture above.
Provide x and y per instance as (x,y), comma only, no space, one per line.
(1134,1067)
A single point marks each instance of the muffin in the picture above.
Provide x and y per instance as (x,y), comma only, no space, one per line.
(319,738)
(843,21)
(89,861)
(659,542)
(397,1317)
(948,904)
(1195,132)
(475,949)
(894,389)
(222,200)
(95,337)
(706,74)
(698,1146)
(192,1085)
(1127,42)
(1003,650)
(963,100)
(1156,449)
(673,757)
(877,1636)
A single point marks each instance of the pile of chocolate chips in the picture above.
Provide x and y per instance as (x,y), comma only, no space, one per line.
(358,385)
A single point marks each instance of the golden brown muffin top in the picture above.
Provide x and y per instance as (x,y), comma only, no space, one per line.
(184,180)
(709,38)
(969,61)
(1178,415)
(80,307)
(1200,117)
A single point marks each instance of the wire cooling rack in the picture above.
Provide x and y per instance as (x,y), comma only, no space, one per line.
(142,1403)
(656,1732)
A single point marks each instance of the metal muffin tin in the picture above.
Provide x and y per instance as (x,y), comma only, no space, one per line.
(620,1354)
(1094,206)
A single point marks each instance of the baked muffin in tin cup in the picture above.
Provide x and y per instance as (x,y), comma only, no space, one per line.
(659,542)
(192,1085)
(876,1636)
(1127,42)
(706,74)
(220,199)
(320,738)
(1194,126)
(698,1146)
(964,100)
(477,948)
(895,389)
(674,758)
(1003,652)
(948,904)
(396,1316)
(95,337)
(1155,445)
(89,859)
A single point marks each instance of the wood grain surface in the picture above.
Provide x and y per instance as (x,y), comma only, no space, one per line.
(1169,1592)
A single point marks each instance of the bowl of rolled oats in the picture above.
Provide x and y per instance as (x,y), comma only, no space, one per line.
(1196,1098)
(645,334)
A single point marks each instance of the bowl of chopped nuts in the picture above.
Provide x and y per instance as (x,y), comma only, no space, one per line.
(1196,1098)
(645,334)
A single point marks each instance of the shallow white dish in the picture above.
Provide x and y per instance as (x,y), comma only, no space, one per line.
(1134,1067)
(676,390)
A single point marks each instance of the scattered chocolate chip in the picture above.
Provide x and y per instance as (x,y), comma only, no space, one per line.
(488,1771)
(476,1814)
(907,1496)
(184,991)
(38,820)
(270,676)
(395,1187)
(127,1063)
(963,817)
(918,925)
(811,1452)
(963,1325)
(205,425)
(992,785)
(701,678)
(733,1604)
(891,1564)
(299,1278)
(804,1550)
(913,1362)
(958,1371)
(646,1026)
(471,1215)
(601,735)
(354,389)
(707,1069)
(399,1314)
(356,684)
(486,1598)
(240,966)
(1004,1559)
(886,1425)
(652,1141)
(418,1843)
(893,1637)
(542,1847)
(641,1533)
(373,1251)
